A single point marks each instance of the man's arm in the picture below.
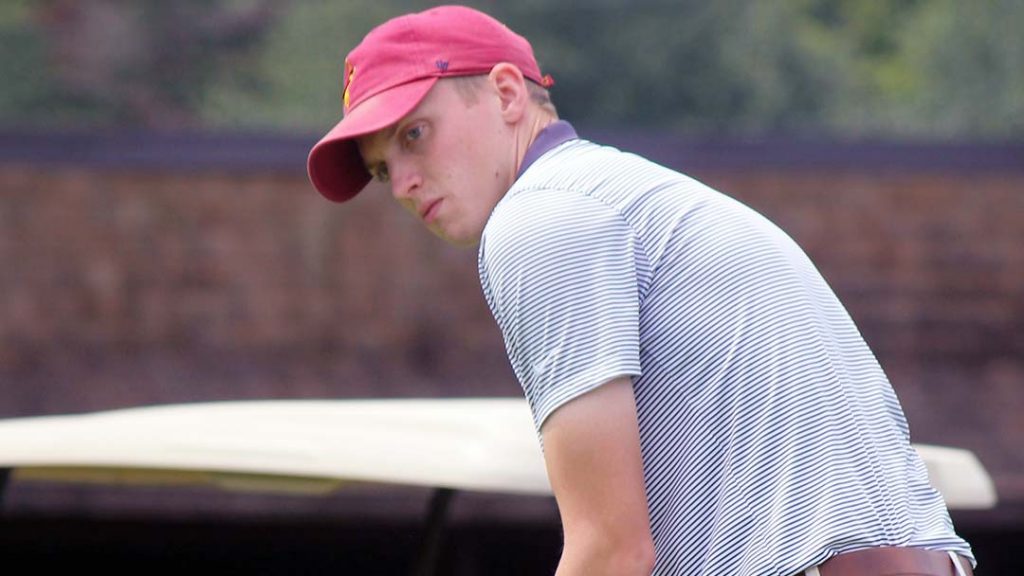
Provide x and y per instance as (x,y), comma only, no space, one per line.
(592,452)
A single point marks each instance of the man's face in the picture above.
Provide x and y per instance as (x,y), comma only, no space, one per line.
(449,161)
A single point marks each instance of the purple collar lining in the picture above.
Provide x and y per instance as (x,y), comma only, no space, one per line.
(549,138)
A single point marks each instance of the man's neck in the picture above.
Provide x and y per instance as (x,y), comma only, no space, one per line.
(531,127)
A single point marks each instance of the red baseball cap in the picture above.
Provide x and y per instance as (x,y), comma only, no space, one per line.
(393,69)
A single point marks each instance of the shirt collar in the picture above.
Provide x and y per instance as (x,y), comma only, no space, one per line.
(550,137)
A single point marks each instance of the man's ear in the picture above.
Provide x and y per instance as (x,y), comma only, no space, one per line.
(513,95)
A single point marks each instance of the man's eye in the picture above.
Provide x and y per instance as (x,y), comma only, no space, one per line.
(414,133)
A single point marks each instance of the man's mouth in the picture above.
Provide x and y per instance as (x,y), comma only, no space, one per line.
(429,211)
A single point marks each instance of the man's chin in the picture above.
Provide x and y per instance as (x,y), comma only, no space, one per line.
(456,238)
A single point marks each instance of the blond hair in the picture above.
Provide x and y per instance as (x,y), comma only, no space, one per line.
(468,88)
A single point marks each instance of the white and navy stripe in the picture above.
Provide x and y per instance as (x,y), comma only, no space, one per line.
(771,438)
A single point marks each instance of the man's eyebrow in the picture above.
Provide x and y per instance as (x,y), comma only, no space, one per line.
(390,131)
(385,134)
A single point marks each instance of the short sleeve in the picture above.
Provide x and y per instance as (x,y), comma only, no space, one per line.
(559,272)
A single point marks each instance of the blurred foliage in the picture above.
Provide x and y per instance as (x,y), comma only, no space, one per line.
(938,69)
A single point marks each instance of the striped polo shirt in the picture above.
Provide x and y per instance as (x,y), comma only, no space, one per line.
(771,438)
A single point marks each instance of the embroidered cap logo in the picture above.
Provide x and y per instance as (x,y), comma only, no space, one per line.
(350,73)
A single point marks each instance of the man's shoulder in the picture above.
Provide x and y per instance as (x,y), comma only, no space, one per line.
(596,168)
(540,208)
(539,219)
(576,154)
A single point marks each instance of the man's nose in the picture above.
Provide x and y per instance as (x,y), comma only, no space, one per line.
(404,183)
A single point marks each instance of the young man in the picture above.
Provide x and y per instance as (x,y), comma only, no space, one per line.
(705,404)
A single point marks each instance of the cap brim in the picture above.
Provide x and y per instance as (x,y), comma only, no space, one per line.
(335,167)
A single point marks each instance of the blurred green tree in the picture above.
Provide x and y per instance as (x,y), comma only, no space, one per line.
(112,62)
(836,68)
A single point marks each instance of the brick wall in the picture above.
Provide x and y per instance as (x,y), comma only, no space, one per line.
(125,287)
(127,283)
